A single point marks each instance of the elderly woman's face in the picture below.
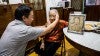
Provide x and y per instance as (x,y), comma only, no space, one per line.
(52,16)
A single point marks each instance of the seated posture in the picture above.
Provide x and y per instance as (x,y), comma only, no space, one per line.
(52,40)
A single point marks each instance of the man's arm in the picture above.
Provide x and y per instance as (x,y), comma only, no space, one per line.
(50,27)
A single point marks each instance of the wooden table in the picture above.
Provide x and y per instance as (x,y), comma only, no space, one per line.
(88,43)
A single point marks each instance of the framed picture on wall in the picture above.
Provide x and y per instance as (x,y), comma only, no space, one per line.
(76,23)
(38,4)
(90,2)
(7,1)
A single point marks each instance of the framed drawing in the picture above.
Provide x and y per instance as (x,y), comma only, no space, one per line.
(76,23)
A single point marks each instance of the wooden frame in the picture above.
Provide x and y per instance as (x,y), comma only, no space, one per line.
(76,23)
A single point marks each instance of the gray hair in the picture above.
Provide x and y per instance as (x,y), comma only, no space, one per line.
(54,10)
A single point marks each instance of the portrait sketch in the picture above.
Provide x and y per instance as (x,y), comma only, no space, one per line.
(76,23)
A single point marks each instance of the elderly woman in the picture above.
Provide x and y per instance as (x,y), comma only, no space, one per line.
(52,40)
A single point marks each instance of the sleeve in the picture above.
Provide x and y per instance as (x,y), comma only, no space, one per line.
(65,23)
(33,33)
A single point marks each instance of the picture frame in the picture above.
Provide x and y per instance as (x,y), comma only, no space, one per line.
(76,23)
(38,4)
(90,2)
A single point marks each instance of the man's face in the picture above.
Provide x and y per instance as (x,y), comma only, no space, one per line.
(52,16)
(30,18)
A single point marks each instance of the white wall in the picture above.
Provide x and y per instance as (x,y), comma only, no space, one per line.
(0,1)
(12,1)
(15,1)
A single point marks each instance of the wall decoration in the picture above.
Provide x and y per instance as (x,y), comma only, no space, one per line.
(90,2)
(38,4)
(97,2)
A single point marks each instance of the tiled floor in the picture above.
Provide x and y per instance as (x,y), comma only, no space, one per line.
(70,50)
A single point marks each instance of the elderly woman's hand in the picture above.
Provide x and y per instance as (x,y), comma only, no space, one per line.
(57,16)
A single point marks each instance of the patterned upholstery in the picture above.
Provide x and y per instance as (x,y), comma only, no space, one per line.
(77,4)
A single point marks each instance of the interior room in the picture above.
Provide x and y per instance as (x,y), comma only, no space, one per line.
(80,36)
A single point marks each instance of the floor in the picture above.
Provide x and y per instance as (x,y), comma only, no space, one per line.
(69,50)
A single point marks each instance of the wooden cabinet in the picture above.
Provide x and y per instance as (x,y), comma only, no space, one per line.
(66,12)
(40,17)
(92,13)
(5,17)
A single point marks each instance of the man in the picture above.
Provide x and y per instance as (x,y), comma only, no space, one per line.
(18,32)
(52,40)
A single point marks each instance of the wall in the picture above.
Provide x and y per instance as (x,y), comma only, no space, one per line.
(15,1)
(0,1)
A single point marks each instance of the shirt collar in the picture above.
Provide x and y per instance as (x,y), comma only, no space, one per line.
(19,22)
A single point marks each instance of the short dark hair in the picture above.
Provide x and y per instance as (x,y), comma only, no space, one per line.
(22,10)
